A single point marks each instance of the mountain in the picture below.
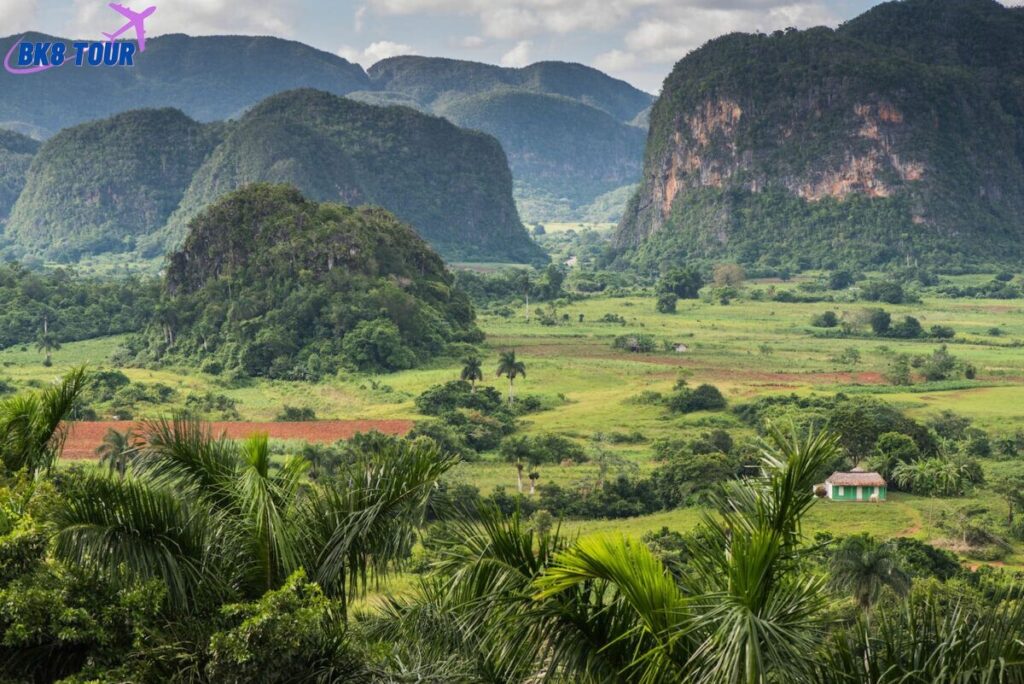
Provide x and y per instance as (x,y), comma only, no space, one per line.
(897,137)
(568,129)
(16,152)
(550,143)
(271,284)
(100,186)
(451,184)
(209,78)
(433,80)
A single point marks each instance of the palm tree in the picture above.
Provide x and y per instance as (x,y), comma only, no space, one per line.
(519,476)
(215,520)
(33,427)
(534,476)
(511,369)
(116,450)
(47,343)
(471,372)
(864,567)
(607,609)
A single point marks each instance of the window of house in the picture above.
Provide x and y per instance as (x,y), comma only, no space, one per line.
(840,490)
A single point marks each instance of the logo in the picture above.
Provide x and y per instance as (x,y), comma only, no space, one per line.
(33,58)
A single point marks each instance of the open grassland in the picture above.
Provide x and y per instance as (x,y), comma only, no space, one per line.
(746,348)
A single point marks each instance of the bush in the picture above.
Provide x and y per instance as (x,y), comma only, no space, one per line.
(377,346)
(638,343)
(702,398)
(943,332)
(295,414)
(907,329)
(880,321)
(459,394)
(825,320)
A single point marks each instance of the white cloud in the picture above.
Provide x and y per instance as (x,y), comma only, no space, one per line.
(17,16)
(615,61)
(518,56)
(472,42)
(195,17)
(360,19)
(375,52)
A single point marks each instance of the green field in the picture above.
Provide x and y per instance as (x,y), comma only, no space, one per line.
(747,348)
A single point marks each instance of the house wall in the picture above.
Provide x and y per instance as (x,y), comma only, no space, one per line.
(846,493)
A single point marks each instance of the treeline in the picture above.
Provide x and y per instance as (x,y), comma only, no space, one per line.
(69,307)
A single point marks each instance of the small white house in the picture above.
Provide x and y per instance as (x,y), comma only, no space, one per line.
(855,485)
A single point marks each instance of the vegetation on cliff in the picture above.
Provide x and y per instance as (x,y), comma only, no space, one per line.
(271,284)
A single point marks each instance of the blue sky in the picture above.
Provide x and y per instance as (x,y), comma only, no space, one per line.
(636,40)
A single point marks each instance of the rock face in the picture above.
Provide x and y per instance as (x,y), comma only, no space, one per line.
(866,145)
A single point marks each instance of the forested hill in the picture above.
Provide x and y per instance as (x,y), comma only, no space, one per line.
(432,81)
(898,136)
(16,152)
(207,77)
(567,128)
(269,283)
(452,185)
(101,186)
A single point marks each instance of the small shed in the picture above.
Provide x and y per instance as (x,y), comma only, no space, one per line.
(855,485)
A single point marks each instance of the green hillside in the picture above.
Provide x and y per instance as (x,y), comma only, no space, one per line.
(452,185)
(207,77)
(433,81)
(568,129)
(271,284)
(16,152)
(100,186)
(550,143)
(898,137)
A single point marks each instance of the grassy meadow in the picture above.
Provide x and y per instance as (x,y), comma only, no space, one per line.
(747,348)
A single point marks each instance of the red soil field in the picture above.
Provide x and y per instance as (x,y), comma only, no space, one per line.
(85,436)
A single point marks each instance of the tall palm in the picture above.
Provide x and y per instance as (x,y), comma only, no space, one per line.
(33,426)
(510,368)
(116,450)
(47,343)
(471,371)
(865,567)
(606,609)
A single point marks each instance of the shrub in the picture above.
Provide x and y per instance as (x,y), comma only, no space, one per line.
(702,398)
(825,320)
(943,332)
(295,414)
(638,343)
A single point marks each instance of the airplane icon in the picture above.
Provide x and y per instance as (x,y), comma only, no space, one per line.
(135,20)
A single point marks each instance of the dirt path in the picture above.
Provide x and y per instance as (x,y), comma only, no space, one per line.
(85,436)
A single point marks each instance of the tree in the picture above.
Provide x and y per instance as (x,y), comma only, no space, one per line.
(33,426)
(666,303)
(880,321)
(684,283)
(510,368)
(865,568)
(728,275)
(519,476)
(534,476)
(892,450)
(471,372)
(212,519)
(47,344)
(116,450)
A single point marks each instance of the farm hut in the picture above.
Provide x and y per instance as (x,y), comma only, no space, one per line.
(855,485)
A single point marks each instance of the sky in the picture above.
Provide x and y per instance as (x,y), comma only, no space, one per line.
(635,40)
